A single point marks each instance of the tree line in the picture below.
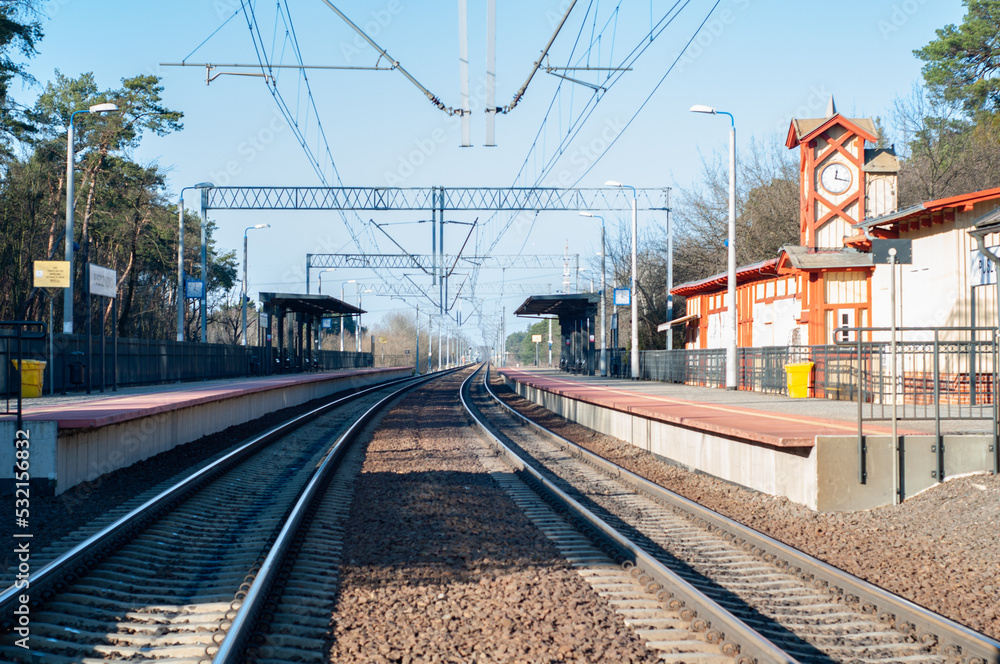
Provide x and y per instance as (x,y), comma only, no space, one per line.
(124,219)
(946,134)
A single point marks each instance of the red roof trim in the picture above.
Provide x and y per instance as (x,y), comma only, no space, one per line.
(962,199)
(744,275)
(965,201)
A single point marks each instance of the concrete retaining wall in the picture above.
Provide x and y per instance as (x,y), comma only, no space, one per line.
(789,472)
(824,477)
(63,459)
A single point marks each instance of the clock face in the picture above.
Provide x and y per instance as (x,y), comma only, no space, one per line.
(836,178)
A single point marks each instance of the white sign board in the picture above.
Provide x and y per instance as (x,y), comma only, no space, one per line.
(623,297)
(103,282)
(537,338)
(982,271)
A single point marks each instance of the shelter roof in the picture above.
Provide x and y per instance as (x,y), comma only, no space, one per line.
(562,305)
(313,305)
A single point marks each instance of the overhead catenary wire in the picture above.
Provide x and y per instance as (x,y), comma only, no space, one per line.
(395,63)
(585,113)
(650,95)
(534,69)
(360,233)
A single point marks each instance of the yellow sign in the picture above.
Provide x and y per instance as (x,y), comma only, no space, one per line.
(537,338)
(51,274)
(381,340)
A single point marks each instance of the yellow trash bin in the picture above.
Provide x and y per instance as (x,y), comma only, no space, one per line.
(32,377)
(798,379)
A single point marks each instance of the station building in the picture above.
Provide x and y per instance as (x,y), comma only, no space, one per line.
(848,198)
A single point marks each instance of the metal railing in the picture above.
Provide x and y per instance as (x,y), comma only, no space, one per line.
(948,374)
(73,365)
(18,335)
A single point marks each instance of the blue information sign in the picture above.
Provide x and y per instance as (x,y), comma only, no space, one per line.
(194,289)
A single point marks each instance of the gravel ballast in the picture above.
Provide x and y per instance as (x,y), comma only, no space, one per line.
(441,566)
(937,549)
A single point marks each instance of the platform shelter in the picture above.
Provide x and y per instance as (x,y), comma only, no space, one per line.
(575,313)
(295,319)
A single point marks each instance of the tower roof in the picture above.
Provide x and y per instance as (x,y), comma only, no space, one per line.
(803,130)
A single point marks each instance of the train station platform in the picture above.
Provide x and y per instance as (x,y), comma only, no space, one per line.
(77,437)
(804,449)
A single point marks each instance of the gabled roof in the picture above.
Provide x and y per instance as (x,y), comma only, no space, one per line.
(881,160)
(810,258)
(804,130)
(749,273)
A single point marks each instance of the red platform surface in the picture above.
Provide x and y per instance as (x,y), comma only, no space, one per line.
(768,427)
(104,410)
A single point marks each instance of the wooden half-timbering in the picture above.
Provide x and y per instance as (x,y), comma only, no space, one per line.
(881,182)
(832,179)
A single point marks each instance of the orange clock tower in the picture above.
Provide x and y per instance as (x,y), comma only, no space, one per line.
(832,175)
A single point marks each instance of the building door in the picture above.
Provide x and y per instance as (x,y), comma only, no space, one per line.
(841,318)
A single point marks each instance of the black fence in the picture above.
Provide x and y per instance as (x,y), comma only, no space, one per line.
(75,366)
(950,374)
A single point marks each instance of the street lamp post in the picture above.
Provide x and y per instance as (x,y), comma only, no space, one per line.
(331,269)
(632,297)
(319,332)
(244,299)
(731,278)
(342,284)
(70,165)
(204,264)
(604,303)
(357,337)
(181,297)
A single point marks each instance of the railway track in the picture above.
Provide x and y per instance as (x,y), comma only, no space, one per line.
(185,576)
(241,562)
(737,592)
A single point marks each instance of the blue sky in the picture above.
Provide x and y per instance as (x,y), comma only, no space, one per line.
(763,61)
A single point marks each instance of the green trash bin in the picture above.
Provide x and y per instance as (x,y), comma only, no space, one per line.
(797,375)
(32,377)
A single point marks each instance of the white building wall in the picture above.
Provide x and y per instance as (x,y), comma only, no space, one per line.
(934,290)
(774,322)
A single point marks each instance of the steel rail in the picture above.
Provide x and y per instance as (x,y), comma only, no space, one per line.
(84,556)
(735,637)
(908,617)
(231,650)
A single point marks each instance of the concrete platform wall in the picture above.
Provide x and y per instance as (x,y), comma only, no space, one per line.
(789,472)
(823,478)
(60,461)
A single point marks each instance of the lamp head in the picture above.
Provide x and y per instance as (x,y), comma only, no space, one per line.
(204,185)
(103,108)
(701,108)
(586,214)
(613,183)
(262,226)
